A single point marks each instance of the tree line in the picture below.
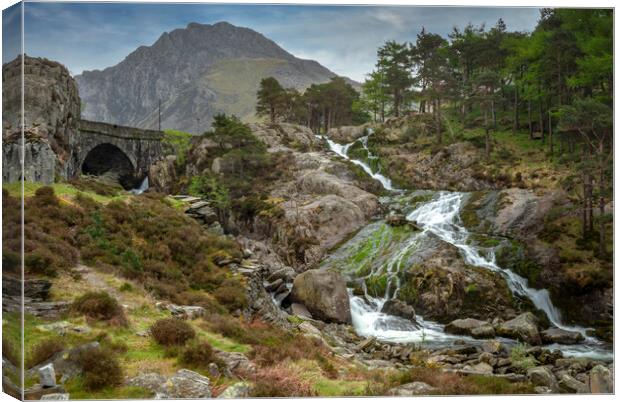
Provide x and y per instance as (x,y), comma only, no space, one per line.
(320,107)
(555,82)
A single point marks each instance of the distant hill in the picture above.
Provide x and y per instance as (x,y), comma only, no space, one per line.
(197,72)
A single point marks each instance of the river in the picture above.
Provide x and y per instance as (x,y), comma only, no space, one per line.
(438,215)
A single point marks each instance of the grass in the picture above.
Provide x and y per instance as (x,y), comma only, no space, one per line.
(67,192)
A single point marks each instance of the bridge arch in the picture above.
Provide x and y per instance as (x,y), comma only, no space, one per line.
(106,158)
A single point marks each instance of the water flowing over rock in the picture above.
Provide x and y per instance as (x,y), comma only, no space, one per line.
(325,295)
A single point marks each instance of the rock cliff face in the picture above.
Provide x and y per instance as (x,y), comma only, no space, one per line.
(197,71)
(52,109)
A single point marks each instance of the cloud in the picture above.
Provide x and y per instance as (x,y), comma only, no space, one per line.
(87,36)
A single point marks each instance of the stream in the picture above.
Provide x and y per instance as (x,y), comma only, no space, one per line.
(438,215)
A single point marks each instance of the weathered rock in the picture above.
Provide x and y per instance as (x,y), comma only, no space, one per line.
(412,389)
(153,382)
(300,310)
(184,312)
(561,336)
(601,381)
(236,362)
(493,346)
(472,327)
(37,391)
(399,309)
(523,327)
(285,134)
(235,391)
(543,390)
(47,376)
(325,295)
(162,175)
(186,384)
(482,368)
(346,134)
(543,376)
(214,371)
(571,385)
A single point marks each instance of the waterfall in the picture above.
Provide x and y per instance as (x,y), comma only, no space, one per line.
(439,216)
(144,185)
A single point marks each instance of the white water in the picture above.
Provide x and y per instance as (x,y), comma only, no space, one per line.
(142,188)
(440,216)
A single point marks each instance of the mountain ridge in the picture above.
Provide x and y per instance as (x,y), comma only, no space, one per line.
(186,69)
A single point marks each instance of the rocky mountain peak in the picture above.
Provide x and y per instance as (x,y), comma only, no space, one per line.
(196,72)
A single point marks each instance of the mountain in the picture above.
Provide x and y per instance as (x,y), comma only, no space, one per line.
(196,72)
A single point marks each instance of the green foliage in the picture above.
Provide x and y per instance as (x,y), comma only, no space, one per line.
(172,331)
(520,359)
(180,144)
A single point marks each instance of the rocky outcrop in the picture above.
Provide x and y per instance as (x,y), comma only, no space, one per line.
(163,176)
(442,287)
(412,389)
(325,295)
(288,135)
(52,108)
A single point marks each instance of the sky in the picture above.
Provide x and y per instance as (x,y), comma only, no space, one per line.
(88,36)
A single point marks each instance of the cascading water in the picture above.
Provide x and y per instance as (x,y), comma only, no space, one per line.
(144,185)
(439,216)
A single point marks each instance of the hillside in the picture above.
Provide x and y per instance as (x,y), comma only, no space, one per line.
(196,72)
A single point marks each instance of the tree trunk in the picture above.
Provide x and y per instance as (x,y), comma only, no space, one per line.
(493,114)
(601,200)
(541,124)
(438,120)
(515,122)
(487,142)
(550,134)
(529,118)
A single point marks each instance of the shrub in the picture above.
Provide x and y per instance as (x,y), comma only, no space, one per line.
(171,331)
(44,350)
(99,306)
(279,381)
(520,359)
(126,287)
(231,295)
(198,354)
(100,369)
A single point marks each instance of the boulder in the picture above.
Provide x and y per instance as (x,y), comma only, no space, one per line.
(153,382)
(471,327)
(482,368)
(325,295)
(47,375)
(236,362)
(399,309)
(570,385)
(235,391)
(310,329)
(543,376)
(412,389)
(561,336)
(523,327)
(493,346)
(601,381)
(186,384)
(184,312)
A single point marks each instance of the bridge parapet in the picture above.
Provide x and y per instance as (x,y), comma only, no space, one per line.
(117,131)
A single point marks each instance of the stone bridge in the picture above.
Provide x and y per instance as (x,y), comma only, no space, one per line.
(58,144)
(102,147)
